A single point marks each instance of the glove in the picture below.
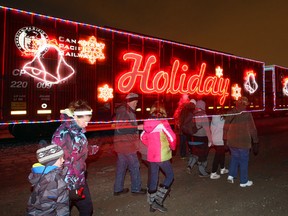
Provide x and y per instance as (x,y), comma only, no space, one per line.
(255,148)
(225,145)
(93,149)
(76,194)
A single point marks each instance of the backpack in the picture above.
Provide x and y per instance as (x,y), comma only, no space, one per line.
(189,127)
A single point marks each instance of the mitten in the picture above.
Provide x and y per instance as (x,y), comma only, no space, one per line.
(93,149)
(225,145)
(255,148)
(76,194)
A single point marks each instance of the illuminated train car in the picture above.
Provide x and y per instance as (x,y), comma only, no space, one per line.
(47,62)
(276,90)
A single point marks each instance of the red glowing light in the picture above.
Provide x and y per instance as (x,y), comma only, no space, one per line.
(105,93)
(250,83)
(285,86)
(164,82)
(236,91)
(91,49)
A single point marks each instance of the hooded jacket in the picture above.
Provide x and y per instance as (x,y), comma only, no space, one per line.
(203,124)
(74,143)
(159,139)
(50,195)
(217,124)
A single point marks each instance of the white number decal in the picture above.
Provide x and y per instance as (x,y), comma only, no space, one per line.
(19,84)
(43,85)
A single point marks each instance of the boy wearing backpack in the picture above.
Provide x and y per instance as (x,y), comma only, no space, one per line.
(50,195)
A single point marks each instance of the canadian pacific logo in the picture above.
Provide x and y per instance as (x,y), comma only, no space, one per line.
(32,41)
(27,39)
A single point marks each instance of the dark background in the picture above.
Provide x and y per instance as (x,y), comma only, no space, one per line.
(253,29)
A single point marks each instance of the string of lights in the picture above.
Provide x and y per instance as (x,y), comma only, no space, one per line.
(108,122)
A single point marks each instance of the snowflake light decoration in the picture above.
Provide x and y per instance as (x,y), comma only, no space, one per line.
(91,50)
(105,93)
(219,71)
(236,91)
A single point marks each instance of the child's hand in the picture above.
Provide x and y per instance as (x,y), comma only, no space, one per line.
(210,144)
(76,195)
(93,149)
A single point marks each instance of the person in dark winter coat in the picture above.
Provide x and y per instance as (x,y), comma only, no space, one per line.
(126,145)
(50,195)
(70,136)
(179,116)
(239,130)
(160,140)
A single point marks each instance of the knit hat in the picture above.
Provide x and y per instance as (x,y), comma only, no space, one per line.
(243,100)
(132,96)
(49,154)
(193,101)
(201,105)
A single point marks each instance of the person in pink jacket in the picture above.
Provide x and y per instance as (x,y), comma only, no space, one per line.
(160,140)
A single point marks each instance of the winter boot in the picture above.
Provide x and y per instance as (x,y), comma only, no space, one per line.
(161,195)
(202,169)
(192,161)
(150,199)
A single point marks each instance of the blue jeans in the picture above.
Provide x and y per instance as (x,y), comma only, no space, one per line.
(201,150)
(131,162)
(166,167)
(239,158)
(183,145)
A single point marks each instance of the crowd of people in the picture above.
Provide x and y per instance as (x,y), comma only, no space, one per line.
(59,179)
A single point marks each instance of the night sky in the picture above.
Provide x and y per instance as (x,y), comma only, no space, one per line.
(256,29)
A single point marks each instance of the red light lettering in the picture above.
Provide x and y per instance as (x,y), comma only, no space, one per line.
(164,82)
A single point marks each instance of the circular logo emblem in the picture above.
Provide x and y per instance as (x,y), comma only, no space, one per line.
(28,39)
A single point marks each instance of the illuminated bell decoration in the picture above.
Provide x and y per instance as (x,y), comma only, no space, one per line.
(285,87)
(36,67)
(105,93)
(91,49)
(236,92)
(250,84)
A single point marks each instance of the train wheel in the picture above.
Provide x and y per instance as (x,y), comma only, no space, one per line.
(29,132)
(47,130)
(25,131)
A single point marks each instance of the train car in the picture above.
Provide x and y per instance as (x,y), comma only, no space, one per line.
(276,90)
(47,62)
